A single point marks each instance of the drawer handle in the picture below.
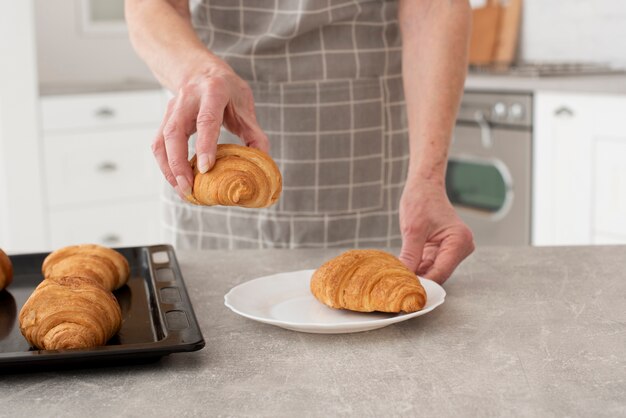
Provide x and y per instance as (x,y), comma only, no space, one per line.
(111,239)
(564,111)
(107,167)
(105,113)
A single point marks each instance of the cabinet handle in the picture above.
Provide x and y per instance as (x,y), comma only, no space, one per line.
(111,239)
(107,167)
(105,113)
(564,111)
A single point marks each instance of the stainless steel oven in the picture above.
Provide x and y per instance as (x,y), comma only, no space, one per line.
(489,170)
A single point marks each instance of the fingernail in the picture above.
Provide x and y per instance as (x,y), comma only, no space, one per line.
(183,185)
(203,163)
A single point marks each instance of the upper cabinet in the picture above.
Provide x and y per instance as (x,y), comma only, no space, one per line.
(579,184)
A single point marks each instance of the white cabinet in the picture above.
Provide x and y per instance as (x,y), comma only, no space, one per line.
(579,184)
(102,183)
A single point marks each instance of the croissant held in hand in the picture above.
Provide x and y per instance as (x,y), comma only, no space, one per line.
(70,312)
(367,281)
(241,176)
(103,264)
(6,270)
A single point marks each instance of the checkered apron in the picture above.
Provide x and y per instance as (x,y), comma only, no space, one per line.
(326,77)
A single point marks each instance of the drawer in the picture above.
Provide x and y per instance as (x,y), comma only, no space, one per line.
(96,167)
(116,224)
(102,110)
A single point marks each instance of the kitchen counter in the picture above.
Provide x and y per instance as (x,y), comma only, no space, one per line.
(524,332)
(592,84)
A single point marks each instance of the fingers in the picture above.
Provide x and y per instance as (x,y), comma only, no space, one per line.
(208,123)
(176,133)
(453,249)
(253,136)
(412,248)
(241,120)
(158,147)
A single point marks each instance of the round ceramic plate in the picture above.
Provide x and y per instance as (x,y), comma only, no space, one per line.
(285,300)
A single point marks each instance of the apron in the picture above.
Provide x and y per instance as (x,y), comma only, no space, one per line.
(327,82)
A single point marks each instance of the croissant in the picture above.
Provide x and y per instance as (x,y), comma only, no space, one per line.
(105,265)
(241,176)
(69,312)
(367,281)
(6,270)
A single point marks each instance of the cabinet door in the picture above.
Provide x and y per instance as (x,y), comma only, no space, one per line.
(89,167)
(562,183)
(115,224)
(609,172)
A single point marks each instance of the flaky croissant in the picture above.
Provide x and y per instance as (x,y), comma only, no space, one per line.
(69,312)
(102,264)
(6,270)
(241,176)
(367,281)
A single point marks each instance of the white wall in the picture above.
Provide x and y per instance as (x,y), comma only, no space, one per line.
(573,30)
(66,54)
(579,30)
(21,195)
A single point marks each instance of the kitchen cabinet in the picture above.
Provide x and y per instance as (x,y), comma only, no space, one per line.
(102,183)
(579,185)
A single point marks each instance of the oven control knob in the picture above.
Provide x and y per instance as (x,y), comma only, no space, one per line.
(516,111)
(499,110)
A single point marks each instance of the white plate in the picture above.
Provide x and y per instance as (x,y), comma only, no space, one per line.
(285,300)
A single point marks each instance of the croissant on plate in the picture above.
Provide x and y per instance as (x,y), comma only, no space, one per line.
(367,281)
(241,176)
(69,312)
(102,264)
(6,270)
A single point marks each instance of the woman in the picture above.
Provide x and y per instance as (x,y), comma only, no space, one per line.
(358,99)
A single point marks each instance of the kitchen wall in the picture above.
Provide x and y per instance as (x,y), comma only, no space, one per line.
(573,30)
(579,30)
(67,54)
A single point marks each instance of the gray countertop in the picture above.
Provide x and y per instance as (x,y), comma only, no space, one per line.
(590,84)
(523,332)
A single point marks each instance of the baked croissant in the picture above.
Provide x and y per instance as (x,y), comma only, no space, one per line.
(241,176)
(367,281)
(69,312)
(6,270)
(105,265)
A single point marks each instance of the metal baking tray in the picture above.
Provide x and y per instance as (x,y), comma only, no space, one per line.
(158,318)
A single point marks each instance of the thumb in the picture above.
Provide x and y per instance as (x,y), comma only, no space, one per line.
(412,250)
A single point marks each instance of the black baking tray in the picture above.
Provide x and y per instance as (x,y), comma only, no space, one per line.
(158,318)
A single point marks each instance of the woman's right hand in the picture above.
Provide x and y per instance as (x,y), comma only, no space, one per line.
(212,96)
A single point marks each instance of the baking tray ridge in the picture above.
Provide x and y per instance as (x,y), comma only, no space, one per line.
(158,318)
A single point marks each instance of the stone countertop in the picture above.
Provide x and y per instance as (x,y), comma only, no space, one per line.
(523,332)
(590,84)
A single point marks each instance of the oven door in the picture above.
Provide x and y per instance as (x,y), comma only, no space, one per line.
(488,182)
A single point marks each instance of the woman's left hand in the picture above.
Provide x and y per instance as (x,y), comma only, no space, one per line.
(434,239)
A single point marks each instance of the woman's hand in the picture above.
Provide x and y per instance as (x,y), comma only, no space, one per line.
(212,96)
(434,239)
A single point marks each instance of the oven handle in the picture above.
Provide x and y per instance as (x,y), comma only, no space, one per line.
(508,184)
(486,138)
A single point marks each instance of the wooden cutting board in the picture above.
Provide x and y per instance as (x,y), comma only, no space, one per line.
(485,22)
(508,33)
(495,32)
